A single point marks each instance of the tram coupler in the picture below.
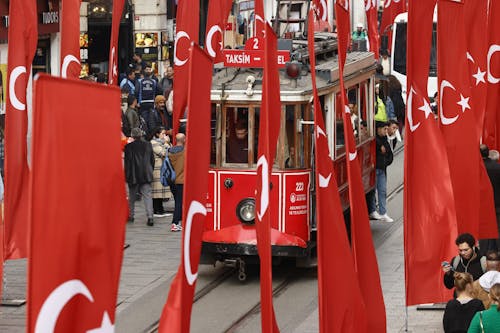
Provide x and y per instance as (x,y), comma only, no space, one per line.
(240,265)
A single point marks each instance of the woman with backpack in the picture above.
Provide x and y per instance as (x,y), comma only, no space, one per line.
(488,321)
(160,143)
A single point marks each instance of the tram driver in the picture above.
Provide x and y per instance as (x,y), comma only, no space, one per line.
(237,151)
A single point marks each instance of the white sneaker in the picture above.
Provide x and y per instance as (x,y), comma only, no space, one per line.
(375,216)
(386,218)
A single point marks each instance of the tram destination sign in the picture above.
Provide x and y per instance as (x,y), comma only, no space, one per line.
(252,55)
(252,58)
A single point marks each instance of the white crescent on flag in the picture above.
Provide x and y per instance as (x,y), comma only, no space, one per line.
(66,61)
(194,208)
(14,75)
(445,120)
(181,34)
(409,111)
(213,29)
(264,195)
(324,181)
(493,48)
(55,302)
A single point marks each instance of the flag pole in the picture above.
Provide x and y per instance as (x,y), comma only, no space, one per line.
(406,318)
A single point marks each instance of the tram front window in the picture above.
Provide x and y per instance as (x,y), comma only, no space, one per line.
(241,144)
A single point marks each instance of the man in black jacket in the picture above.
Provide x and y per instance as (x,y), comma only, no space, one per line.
(468,260)
(383,160)
(139,164)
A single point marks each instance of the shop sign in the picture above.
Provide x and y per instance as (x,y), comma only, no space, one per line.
(50,17)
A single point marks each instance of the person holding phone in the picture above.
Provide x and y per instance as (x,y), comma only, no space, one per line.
(468,260)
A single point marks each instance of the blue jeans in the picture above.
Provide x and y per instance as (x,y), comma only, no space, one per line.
(381,186)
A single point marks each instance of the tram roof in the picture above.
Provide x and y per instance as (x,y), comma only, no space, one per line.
(230,83)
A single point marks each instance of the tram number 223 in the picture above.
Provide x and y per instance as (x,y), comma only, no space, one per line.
(299,186)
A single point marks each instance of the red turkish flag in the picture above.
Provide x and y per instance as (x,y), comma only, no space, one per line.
(70,39)
(343,28)
(341,306)
(491,131)
(365,259)
(475,16)
(176,315)
(260,19)
(457,120)
(320,8)
(113,44)
(430,226)
(187,26)
(268,139)
(371,19)
(23,30)
(391,9)
(77,232)
(218,11)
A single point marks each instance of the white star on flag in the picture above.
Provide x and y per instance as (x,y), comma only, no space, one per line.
(464,103)
(479,76)
(106,326)
(426,108)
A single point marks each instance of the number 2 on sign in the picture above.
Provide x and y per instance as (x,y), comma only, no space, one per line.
(256,43)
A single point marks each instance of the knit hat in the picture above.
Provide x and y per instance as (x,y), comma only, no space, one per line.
(489,279)
(159,99)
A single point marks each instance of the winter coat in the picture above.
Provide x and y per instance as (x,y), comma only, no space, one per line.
(160,151)
(176,155)
(139,162)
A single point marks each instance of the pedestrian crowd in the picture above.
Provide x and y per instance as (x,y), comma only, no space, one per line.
(389,119)
(147,130)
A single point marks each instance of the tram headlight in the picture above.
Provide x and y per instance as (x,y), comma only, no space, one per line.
(246,211)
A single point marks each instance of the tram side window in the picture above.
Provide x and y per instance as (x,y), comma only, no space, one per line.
(339,127)
(213,134)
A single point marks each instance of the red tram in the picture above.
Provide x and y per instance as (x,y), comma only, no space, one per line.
(236,94)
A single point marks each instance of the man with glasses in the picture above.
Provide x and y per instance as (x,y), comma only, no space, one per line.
(468,260)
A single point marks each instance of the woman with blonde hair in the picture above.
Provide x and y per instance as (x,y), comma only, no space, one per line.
(460,311)
(488,321)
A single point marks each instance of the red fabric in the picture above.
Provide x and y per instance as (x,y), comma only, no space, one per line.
(77,232)
(70,39)
(457,121)
(320,8)
(343,28)
(371,19)
(113,46)
(187,26)
(260,19)
(429,209)
(391,9)
(365,259)
(218,12)
(475,15)
(341,306)
(176,315)
(268,139)
(491,132)
(23,29)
